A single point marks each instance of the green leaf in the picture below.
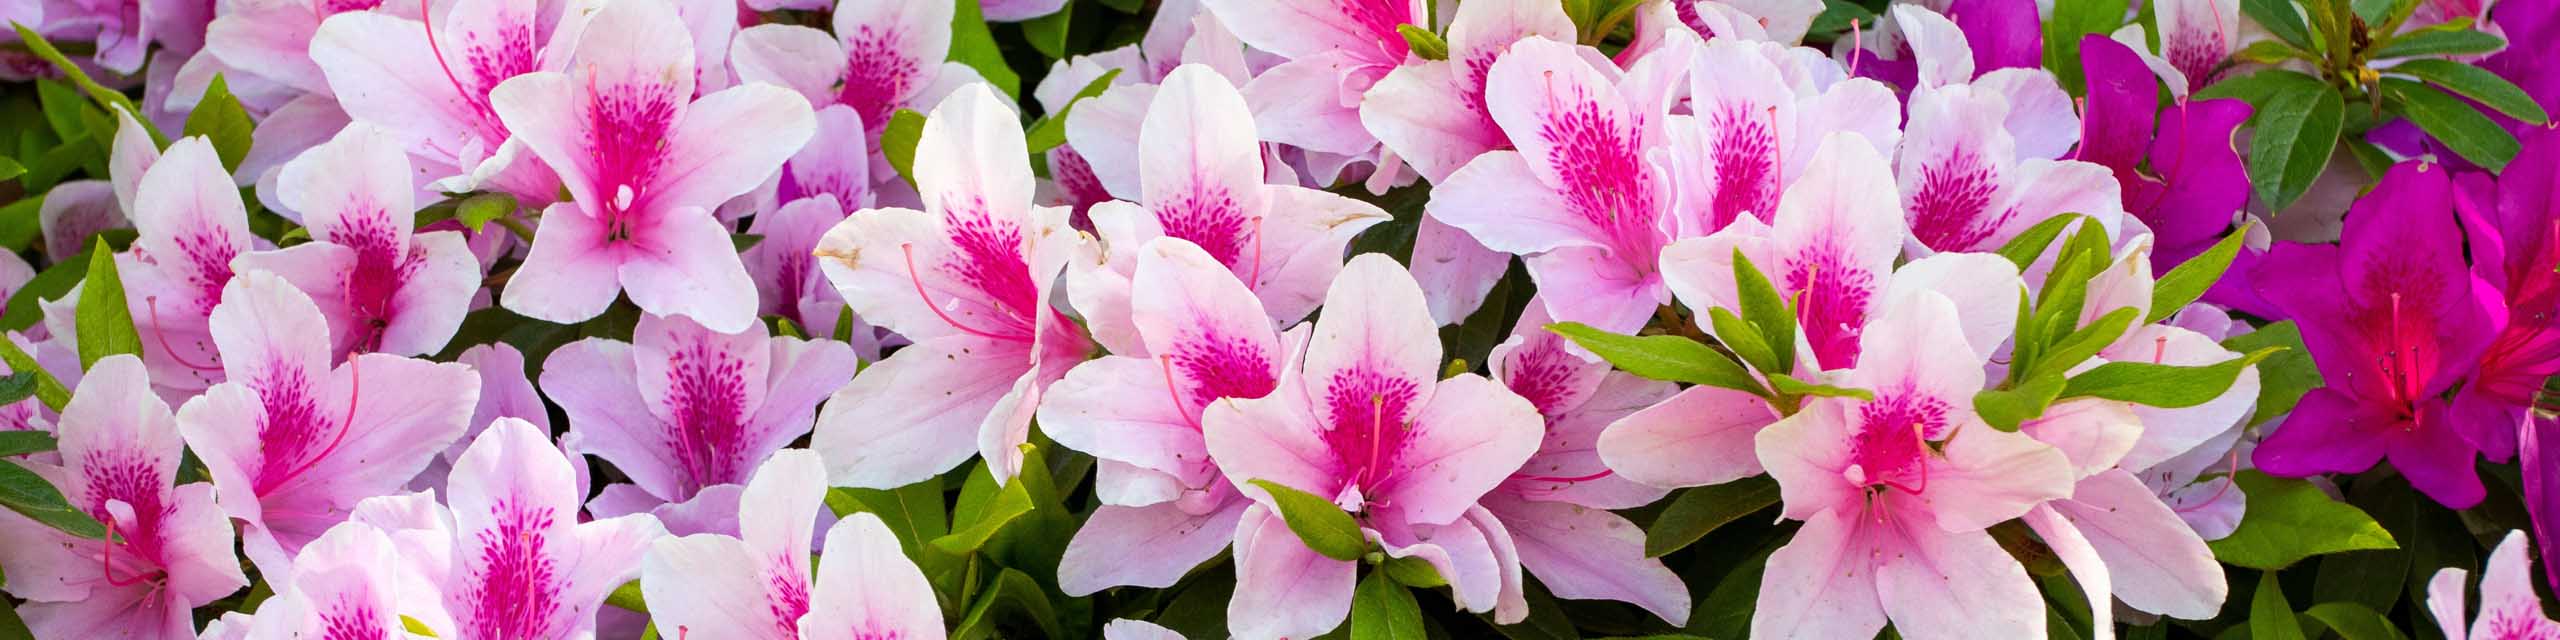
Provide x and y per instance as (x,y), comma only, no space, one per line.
(1383,610)
(2477,84)
(2189,280)
(1838,15)
(21,223)
(898,142)
(477,211)
(10,169)
(1051,130)
(978,518)
(1048,34)
(1413,572)
(62,107)
(2280,19)
(1767,311)
(1013,595)
(2270,617)
(106,98)
(2082,344)
(2270,52)
(2162,385)
(1745,341)
(2006,408)
(2352,621)
(1423,42)
(18,443)
(628,597)
(2289,520)
(105,324)
(1698,511)
(744,241)
(2284,377)
(2296,133)
(28,494)
(1323,526)
(1789,385)
(973,45)
(48,390)
(221,120)
(2438,42)
(2451,121)
(1671,358)
(2031,243)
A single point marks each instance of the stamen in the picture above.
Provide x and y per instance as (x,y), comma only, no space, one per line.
(1175,392)
(160,335)
(2230,478)
(107,557)
(426,16)
(1602,474)
(355,391)
(918,280)
(1857,43)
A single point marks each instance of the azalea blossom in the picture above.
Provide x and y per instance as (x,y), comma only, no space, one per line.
(2508,606)
(644,163)
(1201,175)
(1166,509)
(293,442)
(169,549)
(382,287)
(192,224)
(1895,494)
(883,55)
(758,585)
(2394,318)
(2179,172)
(349,581)
(682,408)
(1363,419)
(375,65)
(2495,404)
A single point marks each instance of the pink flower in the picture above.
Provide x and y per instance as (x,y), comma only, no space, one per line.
(885,55)
(169,550)
(1579,198)
(644,163)
(681,408)
(382,288)
(756,585)
(1363,419)
(968,280)
(293,443)
(2508,606)
(1556,506)
(1201,180)
(511,558)
(348,583)
(1895,494)
(1755,123)
(1165,507)
(192,224)
(429,80)
(1336,51)
(1970,182)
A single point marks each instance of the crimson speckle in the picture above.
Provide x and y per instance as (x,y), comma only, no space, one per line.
(876,75)
(1746,160)
(1952,209)
(707,391)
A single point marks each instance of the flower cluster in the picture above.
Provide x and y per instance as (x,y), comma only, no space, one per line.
(693,319)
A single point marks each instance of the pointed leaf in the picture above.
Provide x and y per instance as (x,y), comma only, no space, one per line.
(2477,84)
(2189,280)
(1698,511)
(28,494)
(1324,527)
(105,324)
(1384,610)
(221,120)
(2289,520)
(1671,358)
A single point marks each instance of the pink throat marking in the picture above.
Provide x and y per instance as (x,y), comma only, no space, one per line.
(627,127)
(514,583)
(706,388)
(1208,216)
(1369,418)
(1378,19)
(290,422)
(1598,160)
(1746,163)
(877,76)
(372,288)
(1952,208)
(1891,446)
(1833,307)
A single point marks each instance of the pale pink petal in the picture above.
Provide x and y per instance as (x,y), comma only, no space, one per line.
(1270,439)
(2156,563)
(564,276)
(2087,569)
(2444,601)
(1589,554)
(868,588)
(1609,294)
(1375,323)
(1936,583)
(1151,546)
(1470,437)
(2041,116)
(1938,47)
(1120,408)
(1410,112)
(1984,288)
(1500,200)
(2091,432)
(711,583)
(1700,437)
(1455,271)
(1989,476)
(75,211)
(1104,130)
(916,414)
(2169,432)
(971,158)
(1199,157)
(1302,28)
(1822,584)
(1126,629)
(685,266)
(1284,589)
(1300,249)
(434,299)
(729,142)
(1303,103)
(1838,229)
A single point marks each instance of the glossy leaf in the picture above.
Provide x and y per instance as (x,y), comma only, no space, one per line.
(2289,520)
(1671,358)
(1325,528)
(1381,609)
(2189,280)
(2161,385)
(1698,511)
(105,323)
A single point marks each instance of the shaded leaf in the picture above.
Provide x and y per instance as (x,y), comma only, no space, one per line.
(1324,527)
(1671,358)
(2289,520)
(1381,609)
(1698,511)
(105,324)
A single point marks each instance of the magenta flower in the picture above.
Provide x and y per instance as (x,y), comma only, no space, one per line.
(681,407)
(1579,198)
(192,224)
(1556,506)
(2508,606)
(2493,406)
(293,443)
(169,550)
(1165,507)
(1201,180)
(968,280)
(756,585)
(1895,494)
(2394,318)
(382,288)
(2183,178)
(644,163)
(1362,418)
